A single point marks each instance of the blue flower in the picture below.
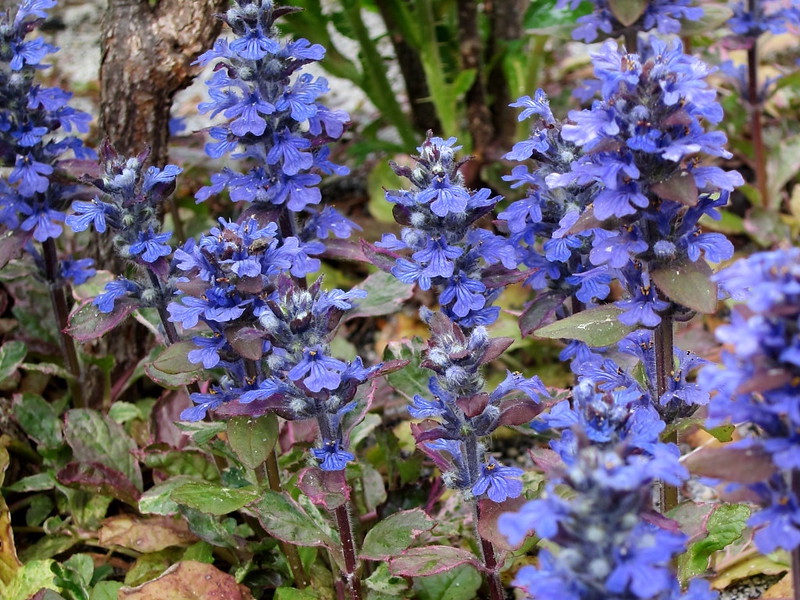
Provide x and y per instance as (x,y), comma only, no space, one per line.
(30,174)
(151,246)
(317,370)
(498,482)
(88,213)
(114,290)
(78,271)
(331,456)
(207,351)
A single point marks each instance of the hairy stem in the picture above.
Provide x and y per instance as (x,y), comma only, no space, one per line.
(289,551)
(169,326)
(345,526)
(488,556)
(663,338)
(59,300)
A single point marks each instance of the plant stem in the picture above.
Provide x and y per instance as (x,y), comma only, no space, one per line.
(756,129)
(663,338)
(289,551)
(488,556)
(345,526)
(169,326)
(59,300)
(795,483)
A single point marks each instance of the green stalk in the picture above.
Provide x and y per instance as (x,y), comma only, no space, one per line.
(432,63)
(375,71)
(289,550)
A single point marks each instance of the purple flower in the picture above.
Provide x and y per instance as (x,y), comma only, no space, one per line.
(498,482)
(331,456)
(114,290)
(466,292)
(78,271)
(88,213)
(151,246)
(317,370)
(31,175)
(207,351)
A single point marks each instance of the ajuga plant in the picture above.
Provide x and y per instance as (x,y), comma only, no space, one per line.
(37,191)
(750,21)
(128,208)
(619,194)
(276,126)
(466,264)
(607,543)
(271,337)
(758,382)
(615,19)
(458,419)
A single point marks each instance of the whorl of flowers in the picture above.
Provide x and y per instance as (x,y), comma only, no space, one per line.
(638,164)
(33,197)
(662,15)
(449,252)
(759,381)
(608,547)
(460,414)
(609,372)
(773,16)
(270,335)
(275,123)
(540,224)
(128,208)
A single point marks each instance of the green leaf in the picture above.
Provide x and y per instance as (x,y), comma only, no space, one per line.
(174,360)
(463,82)
(688,283)
(33,483)
(48,546)
(627,12)
(379,178)
(122,412)
(11,356)
(32,577)
(201,552)
(723,433)
(394,534)
(724,526)
(106,590)
(87,322)
(460,583)
(39,420)
(430,560)
(384,583)
(597,327)
(211,498)
(286,520)
(252,439)
(411,379)
(385,295)
(284,593)
(97,438)
(714,17)
(202,432)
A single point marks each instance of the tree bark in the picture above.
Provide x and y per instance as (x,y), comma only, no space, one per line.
(147,56)
(147,53)
(506,26)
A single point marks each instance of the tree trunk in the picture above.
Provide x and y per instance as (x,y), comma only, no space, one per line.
(506,26)
(147,56)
